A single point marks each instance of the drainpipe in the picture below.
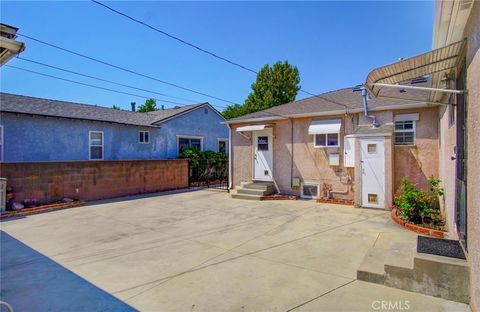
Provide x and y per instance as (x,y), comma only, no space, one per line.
(229,157)
(291,159)
(365,108)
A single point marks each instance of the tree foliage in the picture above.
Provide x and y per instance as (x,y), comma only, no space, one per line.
(116,107)
(274,86)
(150,105)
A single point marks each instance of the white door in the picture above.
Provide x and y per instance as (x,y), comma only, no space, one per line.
(373,172)
(263,155)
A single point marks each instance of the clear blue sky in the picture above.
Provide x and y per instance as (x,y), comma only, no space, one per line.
(334,44)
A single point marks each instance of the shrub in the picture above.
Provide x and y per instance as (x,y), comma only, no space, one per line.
(415,204)
(206,164)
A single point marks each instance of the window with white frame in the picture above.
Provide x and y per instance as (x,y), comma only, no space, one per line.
(326,132)
(405,129)
(144,137)
(96,145)
(326,140)
(188,142)
(222,146)
(309,190)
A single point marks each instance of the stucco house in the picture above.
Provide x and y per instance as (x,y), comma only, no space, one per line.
(410,127)
(34,129)
(325,143)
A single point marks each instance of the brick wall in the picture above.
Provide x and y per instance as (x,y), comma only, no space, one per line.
(92,180)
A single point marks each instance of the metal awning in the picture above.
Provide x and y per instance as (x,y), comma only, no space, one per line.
(325,126)
(253,128)
(436,61)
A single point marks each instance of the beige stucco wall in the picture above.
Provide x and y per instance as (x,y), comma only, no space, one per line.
(418,162)
(310,164)
(473,164)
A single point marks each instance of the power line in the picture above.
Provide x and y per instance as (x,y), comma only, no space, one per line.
(104,80)
(90,85)
(124,69)
(201,49)
(174,37)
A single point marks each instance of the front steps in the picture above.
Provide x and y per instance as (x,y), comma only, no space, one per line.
(253,190)
(393,261)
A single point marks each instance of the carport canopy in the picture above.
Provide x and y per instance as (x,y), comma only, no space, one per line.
(253,128)
(325,126)
(436,62)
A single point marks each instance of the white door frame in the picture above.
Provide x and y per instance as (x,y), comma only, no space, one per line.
(381,195)
(255,134)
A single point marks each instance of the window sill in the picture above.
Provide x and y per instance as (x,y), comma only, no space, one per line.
(326,146)
(405,145)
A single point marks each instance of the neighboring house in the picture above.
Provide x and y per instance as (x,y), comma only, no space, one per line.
(35,129)
(9,47)
(318,144)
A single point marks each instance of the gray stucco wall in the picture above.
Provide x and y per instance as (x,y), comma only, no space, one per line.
(38,138)
(202,122)
(30,138)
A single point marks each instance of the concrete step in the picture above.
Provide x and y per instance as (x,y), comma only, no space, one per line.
(444,277)
(399,264)
(372,267)
(241,190)
(393,261)
(264,186)
(246,196)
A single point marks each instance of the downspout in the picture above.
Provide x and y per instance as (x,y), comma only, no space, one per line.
(291,159)
(365,108)
(229,157)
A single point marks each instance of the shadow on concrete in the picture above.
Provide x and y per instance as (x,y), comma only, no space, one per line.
(31,281)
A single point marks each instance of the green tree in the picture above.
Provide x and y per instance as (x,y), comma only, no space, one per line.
(116,107)
(274,86)
(149,106)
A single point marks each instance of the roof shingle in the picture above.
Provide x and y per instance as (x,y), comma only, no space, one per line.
(21,104)
(344,100)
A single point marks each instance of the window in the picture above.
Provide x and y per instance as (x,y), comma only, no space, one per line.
(405,128)
(262,143)
(96,145)
(405,132)
(372,148)
(309,190)
(222,146)
(144,137)
(188,142)
(327,139)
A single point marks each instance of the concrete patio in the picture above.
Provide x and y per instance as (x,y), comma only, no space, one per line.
(203,251)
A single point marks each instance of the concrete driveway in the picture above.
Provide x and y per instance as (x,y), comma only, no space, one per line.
(203,251)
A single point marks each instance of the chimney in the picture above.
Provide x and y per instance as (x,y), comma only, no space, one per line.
(133,106)
(163,107)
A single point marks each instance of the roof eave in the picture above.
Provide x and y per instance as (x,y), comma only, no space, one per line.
(86,119)
(334,113)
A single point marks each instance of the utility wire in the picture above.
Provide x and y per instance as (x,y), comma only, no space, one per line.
(90,85)
(124,69)
(104,80)
(174,37)
(202,49)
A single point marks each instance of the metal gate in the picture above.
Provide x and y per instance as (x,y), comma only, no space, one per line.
(209,173)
